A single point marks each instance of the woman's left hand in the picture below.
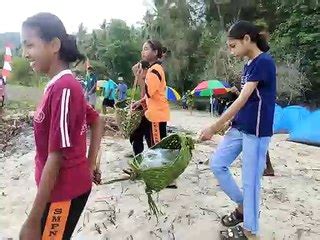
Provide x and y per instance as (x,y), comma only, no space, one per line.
(207,133)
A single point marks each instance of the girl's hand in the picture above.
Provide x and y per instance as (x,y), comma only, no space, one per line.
(96,176)
(135,68)
(207,133)
(31,230)
(235,90)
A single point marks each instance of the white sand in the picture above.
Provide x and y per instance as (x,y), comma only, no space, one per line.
(290,205)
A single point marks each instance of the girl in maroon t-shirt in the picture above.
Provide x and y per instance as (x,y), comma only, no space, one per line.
(63,173)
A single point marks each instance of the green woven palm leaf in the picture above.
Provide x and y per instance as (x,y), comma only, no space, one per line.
(157,178)
(128,121)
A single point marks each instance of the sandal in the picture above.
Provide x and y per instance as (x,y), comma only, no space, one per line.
(268,173)
(232,219)
(233,233)
(128,171)
(172,186)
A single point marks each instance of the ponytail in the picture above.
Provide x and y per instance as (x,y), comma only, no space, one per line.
(262,43)
(69,51)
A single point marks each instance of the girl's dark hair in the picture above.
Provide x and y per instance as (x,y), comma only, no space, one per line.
(242,28)
(144,64)
(49,26)
(156,46)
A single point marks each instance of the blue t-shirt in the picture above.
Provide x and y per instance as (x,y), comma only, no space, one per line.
(122,91)
(91,80)
(110,88)
(256,116)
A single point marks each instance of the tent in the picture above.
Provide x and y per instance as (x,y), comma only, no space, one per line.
(307,131)
(290,117)
(277,117)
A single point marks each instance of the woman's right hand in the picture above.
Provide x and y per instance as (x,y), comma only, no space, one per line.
(30,230)
(135,68)
(96,176)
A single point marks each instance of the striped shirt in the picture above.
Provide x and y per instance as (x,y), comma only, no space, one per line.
(60,124)
(256,116)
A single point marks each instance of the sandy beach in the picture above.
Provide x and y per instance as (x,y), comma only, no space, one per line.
(290,200)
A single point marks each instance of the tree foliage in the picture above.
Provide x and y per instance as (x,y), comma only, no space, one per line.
(194,31)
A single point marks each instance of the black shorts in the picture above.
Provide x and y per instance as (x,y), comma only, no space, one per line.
(108,103)
(60,218)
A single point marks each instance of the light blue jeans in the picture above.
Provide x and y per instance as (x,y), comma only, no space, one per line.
(254,150)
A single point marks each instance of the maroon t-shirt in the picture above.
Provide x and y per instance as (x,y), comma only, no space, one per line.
(60,124)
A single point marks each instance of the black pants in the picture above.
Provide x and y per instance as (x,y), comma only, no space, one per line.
(108,103)
(60,218)
(153,132)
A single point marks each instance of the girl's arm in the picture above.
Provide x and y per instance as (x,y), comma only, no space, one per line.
(96,132)
(246,92)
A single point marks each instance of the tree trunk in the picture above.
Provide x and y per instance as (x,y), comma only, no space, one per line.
(220,15)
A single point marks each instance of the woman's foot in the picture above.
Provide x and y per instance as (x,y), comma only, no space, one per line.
(237,233)
(233,218)
(234,233)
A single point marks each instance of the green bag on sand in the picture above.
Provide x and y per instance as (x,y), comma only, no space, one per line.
(128,121)
(175,152)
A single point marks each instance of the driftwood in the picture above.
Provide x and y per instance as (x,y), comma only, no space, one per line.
(11,125)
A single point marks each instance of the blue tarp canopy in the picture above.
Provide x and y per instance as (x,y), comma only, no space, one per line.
(308,130)
(288,118)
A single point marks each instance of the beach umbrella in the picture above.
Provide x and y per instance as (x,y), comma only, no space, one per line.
(211,87)
(172,94)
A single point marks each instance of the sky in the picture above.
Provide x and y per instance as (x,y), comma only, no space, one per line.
(72,12)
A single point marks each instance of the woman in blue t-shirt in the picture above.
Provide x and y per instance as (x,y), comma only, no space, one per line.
(252,120)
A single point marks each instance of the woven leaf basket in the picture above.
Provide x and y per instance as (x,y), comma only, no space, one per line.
(157,178)
(127,120)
